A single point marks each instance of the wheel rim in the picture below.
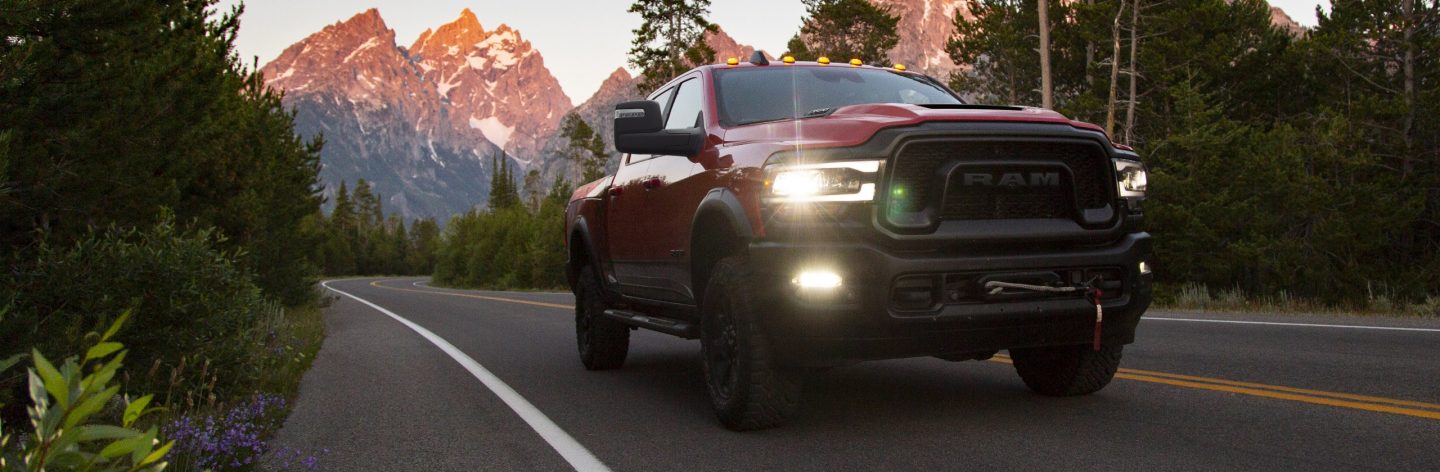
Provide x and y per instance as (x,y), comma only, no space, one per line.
(721,348)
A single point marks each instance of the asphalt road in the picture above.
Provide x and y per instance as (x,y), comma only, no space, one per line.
(497,385)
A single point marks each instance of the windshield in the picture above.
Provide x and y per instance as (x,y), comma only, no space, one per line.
(753,95)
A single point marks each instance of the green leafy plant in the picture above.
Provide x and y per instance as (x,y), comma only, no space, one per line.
(68,416)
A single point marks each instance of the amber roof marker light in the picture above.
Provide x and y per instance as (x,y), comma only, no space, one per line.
(855,63)
(900,67)
(824,61)
(732,61)
(788,59)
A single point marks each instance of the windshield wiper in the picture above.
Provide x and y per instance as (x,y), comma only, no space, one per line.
(818,112)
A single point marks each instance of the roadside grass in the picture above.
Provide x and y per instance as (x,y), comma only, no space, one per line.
(1378,302)
(238,433)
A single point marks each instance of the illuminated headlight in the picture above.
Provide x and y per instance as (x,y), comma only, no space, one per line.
(846,181)
(1131,179)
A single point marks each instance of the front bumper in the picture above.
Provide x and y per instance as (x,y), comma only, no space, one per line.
(861,321)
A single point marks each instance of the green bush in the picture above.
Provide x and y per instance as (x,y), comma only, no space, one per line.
(199,317)
(69,431)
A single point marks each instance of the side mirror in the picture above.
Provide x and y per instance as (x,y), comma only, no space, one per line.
(640,129)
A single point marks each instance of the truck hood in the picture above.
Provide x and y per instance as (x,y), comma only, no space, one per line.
(853,125)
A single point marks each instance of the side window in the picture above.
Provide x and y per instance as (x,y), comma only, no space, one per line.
(663,98)
(685,110)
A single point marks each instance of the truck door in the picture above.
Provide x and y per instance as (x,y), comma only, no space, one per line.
(628,224)
(671,195)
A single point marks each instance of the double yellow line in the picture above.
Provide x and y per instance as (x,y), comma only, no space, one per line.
(1303,395)
(1279,392)
(377,284)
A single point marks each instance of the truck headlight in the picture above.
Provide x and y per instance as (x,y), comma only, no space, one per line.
(1131,180)
(844,181)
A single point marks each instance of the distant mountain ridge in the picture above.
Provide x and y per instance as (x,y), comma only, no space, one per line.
(422,124)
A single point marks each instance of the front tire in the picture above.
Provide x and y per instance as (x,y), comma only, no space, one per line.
(603,342)
(748,387)
(1067,370)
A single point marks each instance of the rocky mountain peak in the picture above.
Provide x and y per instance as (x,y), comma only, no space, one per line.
(423,124)
(726,47)
(449,38)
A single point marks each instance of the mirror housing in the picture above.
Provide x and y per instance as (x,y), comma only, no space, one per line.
(643,116)
(640,129)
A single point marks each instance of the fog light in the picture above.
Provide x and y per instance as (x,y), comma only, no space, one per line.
(1144,267)
(817,279)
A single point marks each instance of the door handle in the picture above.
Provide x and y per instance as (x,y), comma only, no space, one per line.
(653,183)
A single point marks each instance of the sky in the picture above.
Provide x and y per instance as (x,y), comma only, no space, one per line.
(583,41)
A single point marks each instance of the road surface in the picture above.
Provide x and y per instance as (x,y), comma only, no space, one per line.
(413,377)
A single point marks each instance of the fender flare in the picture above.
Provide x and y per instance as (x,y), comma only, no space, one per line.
(725,202)
(580,228)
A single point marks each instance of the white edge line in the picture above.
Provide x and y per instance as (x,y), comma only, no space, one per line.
(574,453)
(1308,325)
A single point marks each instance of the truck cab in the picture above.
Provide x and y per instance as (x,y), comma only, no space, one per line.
(800,215)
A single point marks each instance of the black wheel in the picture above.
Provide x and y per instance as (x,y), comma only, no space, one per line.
(603,342)
(1067,370)
(748,387)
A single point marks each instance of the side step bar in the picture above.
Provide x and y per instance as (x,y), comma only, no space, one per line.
(664,325)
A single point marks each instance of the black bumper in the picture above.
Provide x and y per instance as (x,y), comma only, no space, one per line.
(861,321)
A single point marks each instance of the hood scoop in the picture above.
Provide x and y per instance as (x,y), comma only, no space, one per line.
(967,106)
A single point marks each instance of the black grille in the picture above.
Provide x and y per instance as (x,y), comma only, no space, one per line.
(1020,182)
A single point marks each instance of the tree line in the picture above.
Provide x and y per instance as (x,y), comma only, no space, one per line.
(357,238)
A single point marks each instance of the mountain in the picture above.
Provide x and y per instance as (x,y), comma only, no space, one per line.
(726,47)
(924,27)
(1285,23)
(497,82)
(421,124)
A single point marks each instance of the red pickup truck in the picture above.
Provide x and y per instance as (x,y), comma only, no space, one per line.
(798,216)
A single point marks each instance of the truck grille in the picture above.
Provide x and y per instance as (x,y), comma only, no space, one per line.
(996,180)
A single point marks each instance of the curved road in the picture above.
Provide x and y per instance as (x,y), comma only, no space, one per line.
(413,377)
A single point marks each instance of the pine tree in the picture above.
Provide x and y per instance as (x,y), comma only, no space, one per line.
(996,45)
(670,39)
(585,147)
(117,112)
(844,30)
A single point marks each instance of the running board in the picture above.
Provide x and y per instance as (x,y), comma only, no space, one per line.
(664,325)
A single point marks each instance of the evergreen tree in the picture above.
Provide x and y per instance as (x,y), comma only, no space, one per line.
(118,112)
(844,30)
(424,242)
(503,192)
(533,191)
(997,46)
(585,147)
(670,39)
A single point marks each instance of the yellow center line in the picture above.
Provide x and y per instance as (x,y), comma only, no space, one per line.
(1317,397)
(1280,392)
(377,284)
